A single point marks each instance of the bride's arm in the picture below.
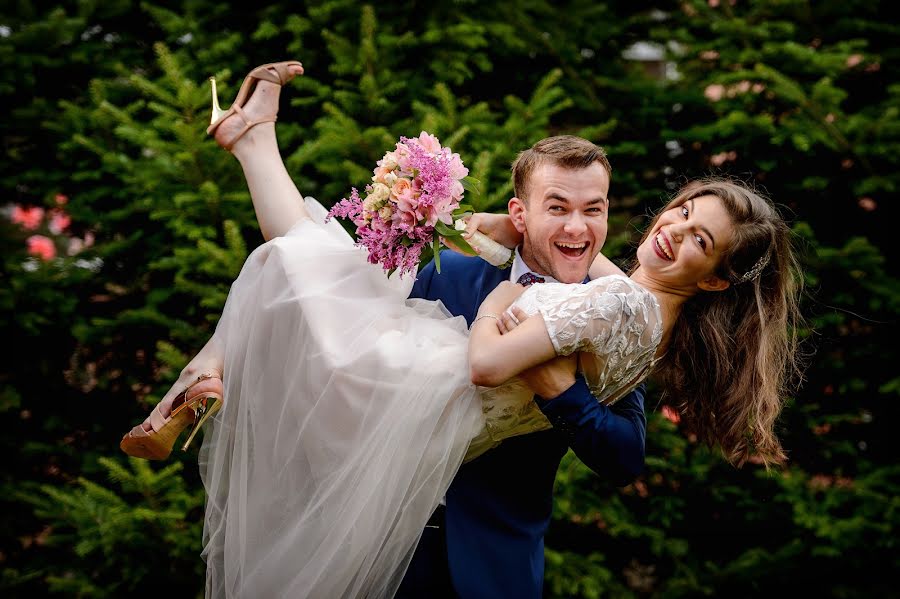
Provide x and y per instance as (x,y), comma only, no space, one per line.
(603,266)
(496,358)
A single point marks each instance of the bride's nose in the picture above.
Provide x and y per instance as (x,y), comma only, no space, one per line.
(676,232)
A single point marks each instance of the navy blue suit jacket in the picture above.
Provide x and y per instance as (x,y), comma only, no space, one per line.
(499,505)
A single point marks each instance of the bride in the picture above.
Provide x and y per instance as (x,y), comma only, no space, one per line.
(349,408)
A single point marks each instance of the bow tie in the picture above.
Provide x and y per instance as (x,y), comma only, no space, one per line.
(529,278)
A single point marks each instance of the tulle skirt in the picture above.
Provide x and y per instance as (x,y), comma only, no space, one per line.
(348,410)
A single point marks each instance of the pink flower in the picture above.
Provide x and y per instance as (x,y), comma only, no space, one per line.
(868,204)
(423,179)
(41,246)
(723,157)
(671,415)
(429,143)
(714,92)
(61,199)
(59,221)
(402,192)
(853,60)
(29,218)
(709,55)
(457,170)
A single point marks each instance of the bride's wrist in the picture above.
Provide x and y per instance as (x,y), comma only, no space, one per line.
(485,316)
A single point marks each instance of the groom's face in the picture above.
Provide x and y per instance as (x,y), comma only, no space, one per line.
(563,220)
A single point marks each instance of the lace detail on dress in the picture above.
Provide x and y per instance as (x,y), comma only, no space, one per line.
(613,322)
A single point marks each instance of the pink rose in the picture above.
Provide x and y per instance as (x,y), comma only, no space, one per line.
(59,221)
(41,246)
(29,218)
(404,195)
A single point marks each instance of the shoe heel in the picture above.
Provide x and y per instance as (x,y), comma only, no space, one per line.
(217,111)
(204,412)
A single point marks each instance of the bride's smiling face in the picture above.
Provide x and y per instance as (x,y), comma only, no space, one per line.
(685,245)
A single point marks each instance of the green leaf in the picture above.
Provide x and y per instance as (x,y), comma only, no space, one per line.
(446,230)
(472,185)
(437,254)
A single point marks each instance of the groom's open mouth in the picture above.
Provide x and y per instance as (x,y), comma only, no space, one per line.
(572,250)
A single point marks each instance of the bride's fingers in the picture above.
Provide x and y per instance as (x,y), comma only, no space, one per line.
(508,321)
(520,314)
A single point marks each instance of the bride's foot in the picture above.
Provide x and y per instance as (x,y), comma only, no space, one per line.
(256,102)
(194,404)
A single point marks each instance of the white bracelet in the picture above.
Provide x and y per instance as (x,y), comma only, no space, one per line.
(494,316)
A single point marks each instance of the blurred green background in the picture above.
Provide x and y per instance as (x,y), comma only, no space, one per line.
(123,226)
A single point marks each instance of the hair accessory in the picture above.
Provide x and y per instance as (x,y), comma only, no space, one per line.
(757,268)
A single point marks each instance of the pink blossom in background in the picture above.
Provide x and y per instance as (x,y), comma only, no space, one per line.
(61,199)
(59,221)
(41,246)
(723,157)
(853,60)
(709,55)
(714,92)
(671,415)
(867,204)
(29,218)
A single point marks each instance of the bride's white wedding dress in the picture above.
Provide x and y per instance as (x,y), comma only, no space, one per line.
(348,410)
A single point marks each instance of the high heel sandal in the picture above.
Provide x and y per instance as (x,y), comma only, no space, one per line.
(275,72)
(193,405)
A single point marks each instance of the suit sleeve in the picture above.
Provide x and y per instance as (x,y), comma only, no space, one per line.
(609,440)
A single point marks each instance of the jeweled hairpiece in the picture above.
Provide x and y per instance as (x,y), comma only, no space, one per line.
(757,268)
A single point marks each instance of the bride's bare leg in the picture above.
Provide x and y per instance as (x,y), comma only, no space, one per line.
(210,360)
(276,199)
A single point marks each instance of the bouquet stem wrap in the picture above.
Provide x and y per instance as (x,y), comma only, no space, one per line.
(488,249)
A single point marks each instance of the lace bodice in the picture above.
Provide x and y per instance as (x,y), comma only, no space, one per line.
(613,323)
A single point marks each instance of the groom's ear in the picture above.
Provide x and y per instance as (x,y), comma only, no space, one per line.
(516,208)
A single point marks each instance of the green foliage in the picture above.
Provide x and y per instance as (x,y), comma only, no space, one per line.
(108,108)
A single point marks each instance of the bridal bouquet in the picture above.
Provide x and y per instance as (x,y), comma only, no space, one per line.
(414,200)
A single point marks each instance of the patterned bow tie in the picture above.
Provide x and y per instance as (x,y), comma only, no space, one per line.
(529,278)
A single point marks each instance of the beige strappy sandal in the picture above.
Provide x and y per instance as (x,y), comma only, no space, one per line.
(275,72)
(195,405)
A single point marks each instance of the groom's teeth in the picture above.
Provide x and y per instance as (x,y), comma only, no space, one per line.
(574,246)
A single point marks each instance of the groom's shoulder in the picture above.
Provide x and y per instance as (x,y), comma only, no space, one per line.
(457,271)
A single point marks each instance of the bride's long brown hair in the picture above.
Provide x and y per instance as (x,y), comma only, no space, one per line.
(733,354)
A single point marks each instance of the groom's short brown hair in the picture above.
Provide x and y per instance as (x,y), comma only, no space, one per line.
(566,151)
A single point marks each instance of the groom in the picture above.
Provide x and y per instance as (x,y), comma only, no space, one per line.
(488,541)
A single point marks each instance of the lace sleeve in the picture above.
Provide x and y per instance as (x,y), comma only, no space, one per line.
(609,315)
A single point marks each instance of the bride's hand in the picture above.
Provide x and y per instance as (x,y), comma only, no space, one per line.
(547,380)
(511,318)
(498,227)
(501,297)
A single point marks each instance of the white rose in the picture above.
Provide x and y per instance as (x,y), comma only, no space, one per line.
(377,197)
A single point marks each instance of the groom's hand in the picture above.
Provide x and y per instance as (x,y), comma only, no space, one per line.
(547,380)
(552,378)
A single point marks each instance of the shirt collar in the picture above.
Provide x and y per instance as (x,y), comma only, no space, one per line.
(519,268)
